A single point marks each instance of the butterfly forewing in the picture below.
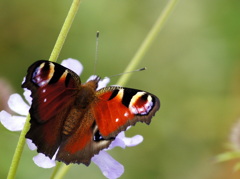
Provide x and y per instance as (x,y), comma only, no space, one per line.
(119,108)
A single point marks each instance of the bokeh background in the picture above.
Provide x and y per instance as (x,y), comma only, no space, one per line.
(193,67)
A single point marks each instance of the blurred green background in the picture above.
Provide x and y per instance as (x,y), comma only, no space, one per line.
(193,67)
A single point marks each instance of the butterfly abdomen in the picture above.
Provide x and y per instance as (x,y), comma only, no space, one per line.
(72,121)
(82,103)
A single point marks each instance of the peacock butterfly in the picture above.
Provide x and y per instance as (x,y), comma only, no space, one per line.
(76,120)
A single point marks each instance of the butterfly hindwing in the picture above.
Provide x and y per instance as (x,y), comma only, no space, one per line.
(83,144)
(118,108)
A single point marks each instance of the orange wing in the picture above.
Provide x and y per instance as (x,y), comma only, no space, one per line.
(118,108)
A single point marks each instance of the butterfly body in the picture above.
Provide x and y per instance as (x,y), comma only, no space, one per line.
(74,120)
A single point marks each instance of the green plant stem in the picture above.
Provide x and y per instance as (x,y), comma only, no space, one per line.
(58,165)
(61,172)
(18,151)
(53,57)
(64,31)
(147,41)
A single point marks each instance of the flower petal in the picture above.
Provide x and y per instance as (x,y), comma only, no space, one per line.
(108,165)
(118,142)
(27,95)
(31,145)
(133,141)
(123,142)
(12,123)
(17,104)
(43,161)
(73,64)
(92,77)
(103,83)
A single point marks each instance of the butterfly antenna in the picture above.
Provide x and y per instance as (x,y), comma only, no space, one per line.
(140,69)
(96,53)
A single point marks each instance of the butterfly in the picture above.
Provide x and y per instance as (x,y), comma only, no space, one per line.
(76,120)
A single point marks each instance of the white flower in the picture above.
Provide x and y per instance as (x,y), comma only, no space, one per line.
(109,166)
(18,105)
